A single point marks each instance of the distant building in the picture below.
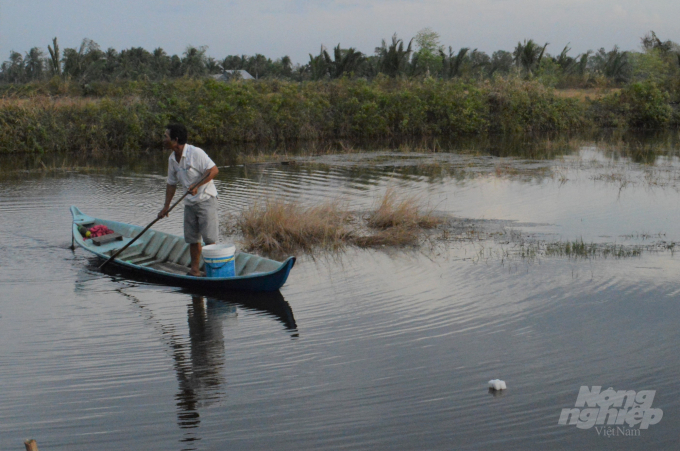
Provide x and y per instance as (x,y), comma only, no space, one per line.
(229,75)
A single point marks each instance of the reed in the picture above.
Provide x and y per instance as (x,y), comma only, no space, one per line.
(280,227)
(405,212)
(276,226)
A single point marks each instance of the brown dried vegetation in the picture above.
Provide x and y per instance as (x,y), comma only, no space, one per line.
(283,227)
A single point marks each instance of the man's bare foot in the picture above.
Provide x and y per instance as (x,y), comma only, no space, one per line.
(195,274)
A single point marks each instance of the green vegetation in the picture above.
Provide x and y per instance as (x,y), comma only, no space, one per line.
(579,249)
(130,115)
(86,99)
(422,56)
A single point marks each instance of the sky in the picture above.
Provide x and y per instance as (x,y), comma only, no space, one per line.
(297,28)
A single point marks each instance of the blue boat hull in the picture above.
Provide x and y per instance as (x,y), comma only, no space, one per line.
(162,258)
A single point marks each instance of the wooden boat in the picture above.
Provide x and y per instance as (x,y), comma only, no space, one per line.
(164,258)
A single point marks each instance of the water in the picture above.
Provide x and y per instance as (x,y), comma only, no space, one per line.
(376,349)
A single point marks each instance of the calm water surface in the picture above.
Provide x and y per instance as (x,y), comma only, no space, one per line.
(380,349)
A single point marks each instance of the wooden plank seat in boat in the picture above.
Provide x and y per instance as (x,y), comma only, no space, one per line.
(98,241)
(164,258)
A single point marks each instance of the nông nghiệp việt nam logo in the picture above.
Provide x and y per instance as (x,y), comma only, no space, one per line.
(621,410)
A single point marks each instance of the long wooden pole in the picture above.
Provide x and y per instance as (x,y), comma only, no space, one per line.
(154,221)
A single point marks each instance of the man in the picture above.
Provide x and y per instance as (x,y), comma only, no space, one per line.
(187,165)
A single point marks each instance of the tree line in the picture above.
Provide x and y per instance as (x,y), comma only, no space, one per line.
(422,56)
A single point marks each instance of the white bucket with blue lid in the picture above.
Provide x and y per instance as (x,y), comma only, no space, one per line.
(219,260)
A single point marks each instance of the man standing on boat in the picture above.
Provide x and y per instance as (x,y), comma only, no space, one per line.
(187,165)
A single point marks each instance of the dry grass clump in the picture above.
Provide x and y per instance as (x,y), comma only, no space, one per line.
(279,227)
(401,212)
(283,226)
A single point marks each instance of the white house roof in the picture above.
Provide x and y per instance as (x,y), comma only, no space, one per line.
(231,74)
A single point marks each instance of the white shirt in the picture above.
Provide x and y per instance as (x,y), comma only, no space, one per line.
(191,167)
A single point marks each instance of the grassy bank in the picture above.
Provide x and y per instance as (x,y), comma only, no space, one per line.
(127,116)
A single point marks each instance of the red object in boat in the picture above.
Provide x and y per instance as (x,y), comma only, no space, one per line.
(99,230)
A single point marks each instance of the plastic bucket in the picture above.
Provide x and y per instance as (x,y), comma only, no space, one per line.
(219,260)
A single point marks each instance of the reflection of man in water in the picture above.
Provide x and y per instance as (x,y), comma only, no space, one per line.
(201,378)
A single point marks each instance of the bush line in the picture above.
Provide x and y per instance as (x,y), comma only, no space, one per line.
(127,116)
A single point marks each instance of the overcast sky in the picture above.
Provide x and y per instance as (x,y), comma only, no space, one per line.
(296,27)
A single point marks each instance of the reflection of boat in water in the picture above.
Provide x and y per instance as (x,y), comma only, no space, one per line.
(271,303)
(199,359)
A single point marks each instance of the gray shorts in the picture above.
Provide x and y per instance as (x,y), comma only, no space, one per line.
(200,221)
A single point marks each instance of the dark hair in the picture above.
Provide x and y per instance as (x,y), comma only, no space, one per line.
(177,132)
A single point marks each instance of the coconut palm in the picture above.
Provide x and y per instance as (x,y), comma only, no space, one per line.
(111,63)
(344,62)
(175,66)
(582,65)
(234,62)
(194,61)
(257,65)
(528,56)
(85,63)
(213,66)
(318,66)
(451,64)
(478,60)
(286,66)
(160,63)
(393,59)
(13,71)
(54,63)
(613,64)
(34,64)
(566,62)
(135,63)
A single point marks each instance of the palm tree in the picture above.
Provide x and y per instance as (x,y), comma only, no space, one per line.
(135,63)
(613,64)
(111,63)
(54,62)
(34,64)
(160,63)
(84,63)
(566,62)
(583,62)
(344,62)
(287,64)
(393,59)
(452,64)
(234,62)
(194,61)
(257,65)
(13,71)
(175,66)
(213,66)
(318,65)
(528,56)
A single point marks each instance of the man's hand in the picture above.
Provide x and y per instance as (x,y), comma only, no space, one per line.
(207,177)
(163,213)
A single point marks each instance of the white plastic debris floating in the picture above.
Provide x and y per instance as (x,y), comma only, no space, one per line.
(497,384)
